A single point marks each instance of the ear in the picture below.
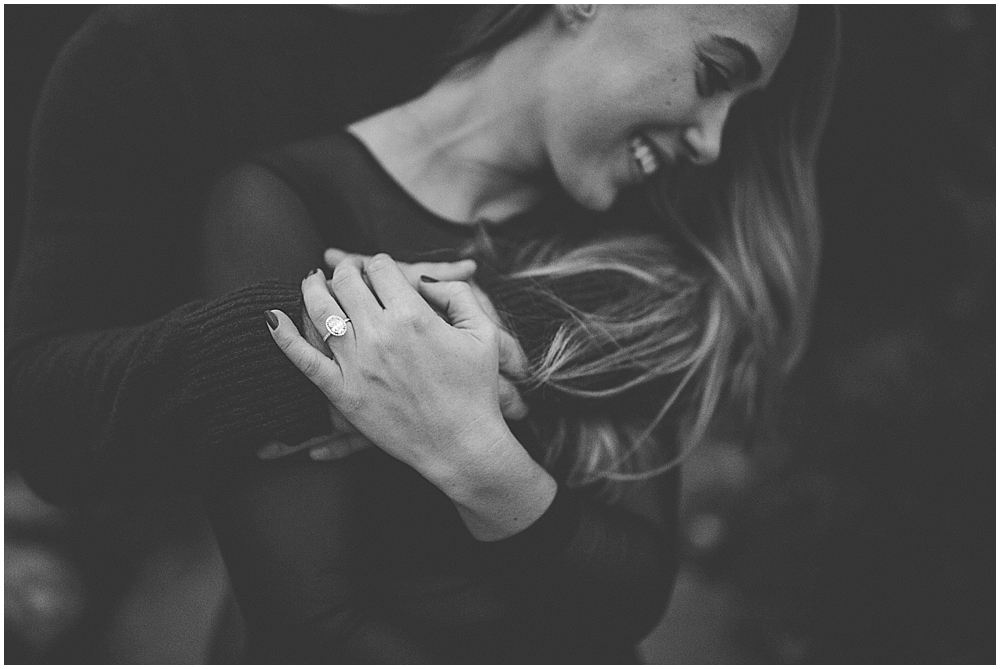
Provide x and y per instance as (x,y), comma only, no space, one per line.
(575,17)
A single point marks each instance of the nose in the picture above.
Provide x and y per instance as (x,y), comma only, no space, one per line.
(703,138)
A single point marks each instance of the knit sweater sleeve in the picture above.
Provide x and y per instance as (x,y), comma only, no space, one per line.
(118,383)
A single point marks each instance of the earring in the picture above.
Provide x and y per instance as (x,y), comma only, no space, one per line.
(585,11)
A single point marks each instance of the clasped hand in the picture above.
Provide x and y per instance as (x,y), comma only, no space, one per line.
(422,388)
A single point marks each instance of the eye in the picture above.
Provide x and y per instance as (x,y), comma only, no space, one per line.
(714,78)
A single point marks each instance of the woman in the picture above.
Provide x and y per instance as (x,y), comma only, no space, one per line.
(710,309)
(104,327)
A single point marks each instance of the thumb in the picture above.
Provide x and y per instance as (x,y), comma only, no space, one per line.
(457,302)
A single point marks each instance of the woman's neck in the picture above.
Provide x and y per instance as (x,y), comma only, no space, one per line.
(470,148)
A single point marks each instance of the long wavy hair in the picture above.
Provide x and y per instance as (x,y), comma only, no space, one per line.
(647,338)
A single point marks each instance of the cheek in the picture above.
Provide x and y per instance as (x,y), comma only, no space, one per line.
(578,127)
(660,95)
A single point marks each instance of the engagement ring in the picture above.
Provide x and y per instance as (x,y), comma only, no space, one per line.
(336,326)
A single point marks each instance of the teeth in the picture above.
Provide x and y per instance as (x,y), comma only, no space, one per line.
(644,156)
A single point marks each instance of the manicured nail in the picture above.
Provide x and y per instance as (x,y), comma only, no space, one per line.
(428,279)
(272,320)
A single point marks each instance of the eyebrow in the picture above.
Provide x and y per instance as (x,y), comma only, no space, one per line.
(749,57)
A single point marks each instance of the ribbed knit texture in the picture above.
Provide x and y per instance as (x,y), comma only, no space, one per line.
(242,388)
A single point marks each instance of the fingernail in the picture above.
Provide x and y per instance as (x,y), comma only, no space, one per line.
(428,279)
(311,272)
(272,320)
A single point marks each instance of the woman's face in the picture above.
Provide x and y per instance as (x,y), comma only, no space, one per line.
(633,90)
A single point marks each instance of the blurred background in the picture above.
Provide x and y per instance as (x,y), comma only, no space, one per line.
(860,529)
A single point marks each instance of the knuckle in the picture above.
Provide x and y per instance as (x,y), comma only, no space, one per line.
(381,339)
(462,291)
(308,365)
(385,346)
(341,276)
(412,320)
(351,402)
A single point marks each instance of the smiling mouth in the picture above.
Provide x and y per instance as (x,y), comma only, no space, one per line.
(645,156)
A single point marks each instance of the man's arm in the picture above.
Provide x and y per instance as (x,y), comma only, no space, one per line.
(118,383)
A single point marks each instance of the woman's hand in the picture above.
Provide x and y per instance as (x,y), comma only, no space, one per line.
(345,440)
(513,362)
(422,389)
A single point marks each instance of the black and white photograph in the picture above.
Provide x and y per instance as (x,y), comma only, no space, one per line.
(500,334)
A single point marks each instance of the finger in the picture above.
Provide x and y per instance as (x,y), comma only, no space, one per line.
(388,282)
(340,447)
(512,405)
(457,302)
(339,257)
(513,360)
(353,295)
(462,270)
(277,449)
(323,372)
(333,257)
(486,303)
(320,306)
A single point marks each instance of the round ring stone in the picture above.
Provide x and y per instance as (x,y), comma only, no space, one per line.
(337,326)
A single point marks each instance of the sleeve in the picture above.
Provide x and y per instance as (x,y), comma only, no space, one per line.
(117,383)
(289,529)
(605,571)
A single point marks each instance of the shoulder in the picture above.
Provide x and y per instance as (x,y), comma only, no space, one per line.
(255,226)
(253,193)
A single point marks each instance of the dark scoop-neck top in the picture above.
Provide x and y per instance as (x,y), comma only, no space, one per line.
(358,205)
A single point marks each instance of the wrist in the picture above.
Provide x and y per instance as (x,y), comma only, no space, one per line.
(500,493)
